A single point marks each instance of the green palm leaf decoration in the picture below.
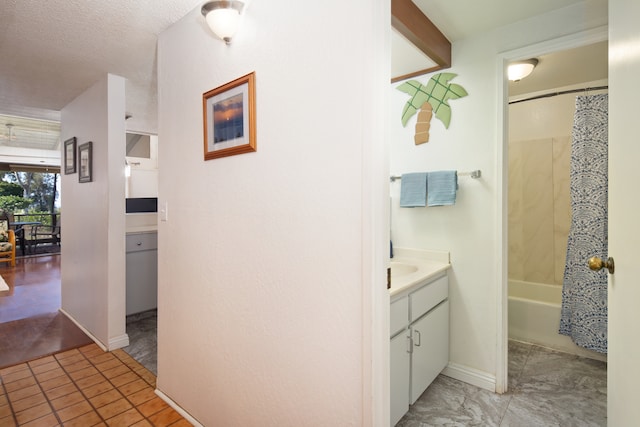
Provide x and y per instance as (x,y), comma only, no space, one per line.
(437,92)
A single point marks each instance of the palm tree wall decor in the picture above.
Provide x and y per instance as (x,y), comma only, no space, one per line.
(429,99)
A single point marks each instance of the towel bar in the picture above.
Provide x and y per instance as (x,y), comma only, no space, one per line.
(473,174)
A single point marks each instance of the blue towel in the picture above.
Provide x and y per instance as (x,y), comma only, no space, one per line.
(441,188)
(413,191)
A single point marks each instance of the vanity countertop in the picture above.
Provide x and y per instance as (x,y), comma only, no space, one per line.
(141,223)
(414,267)
(142,229)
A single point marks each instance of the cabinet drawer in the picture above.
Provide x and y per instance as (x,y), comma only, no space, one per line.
(399,315)
(427,297)
(141,242)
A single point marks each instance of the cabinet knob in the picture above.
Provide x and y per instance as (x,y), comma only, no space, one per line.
(139,243)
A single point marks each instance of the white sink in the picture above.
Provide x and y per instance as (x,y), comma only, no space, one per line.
(399,269)
(410,271)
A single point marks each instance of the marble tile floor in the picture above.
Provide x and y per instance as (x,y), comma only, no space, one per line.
(546,388)
(143,339)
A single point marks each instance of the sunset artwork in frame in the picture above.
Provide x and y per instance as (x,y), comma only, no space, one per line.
(230,118)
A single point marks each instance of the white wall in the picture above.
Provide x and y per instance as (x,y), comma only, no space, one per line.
(143,181)
(93,253)
(470,229)
(271,263)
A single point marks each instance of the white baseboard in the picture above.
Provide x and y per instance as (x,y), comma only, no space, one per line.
(471,376)
(178,409)
(118,342)
(114,343)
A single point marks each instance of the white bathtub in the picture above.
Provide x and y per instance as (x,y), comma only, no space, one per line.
(534,317)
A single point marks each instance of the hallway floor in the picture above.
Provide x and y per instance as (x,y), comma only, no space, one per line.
(546,388)
(83,387)
(52,374)
(30,324)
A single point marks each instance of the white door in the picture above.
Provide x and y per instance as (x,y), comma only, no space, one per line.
(624,214)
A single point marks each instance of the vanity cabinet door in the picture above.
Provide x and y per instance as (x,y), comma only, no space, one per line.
(400,374)
(430,337)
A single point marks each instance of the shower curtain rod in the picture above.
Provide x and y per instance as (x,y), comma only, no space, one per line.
(564,92)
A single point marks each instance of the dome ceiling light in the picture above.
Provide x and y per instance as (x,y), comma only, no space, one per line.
(223,17)
(520,69)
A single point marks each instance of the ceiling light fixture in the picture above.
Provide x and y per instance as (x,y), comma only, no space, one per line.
(9,136)
(520,69)
(223,17)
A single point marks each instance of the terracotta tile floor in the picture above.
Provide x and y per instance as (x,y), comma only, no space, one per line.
(83,387)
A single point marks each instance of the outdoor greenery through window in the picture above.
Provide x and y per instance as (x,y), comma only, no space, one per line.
(30,196)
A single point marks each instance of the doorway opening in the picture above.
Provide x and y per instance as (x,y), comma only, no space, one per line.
(538,121)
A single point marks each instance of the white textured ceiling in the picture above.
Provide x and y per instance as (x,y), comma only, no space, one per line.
(51,51)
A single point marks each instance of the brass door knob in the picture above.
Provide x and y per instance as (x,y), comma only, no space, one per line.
(597,264)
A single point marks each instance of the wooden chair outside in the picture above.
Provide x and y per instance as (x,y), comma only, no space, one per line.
(7,244)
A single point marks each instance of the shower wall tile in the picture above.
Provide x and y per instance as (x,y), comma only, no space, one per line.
(516,242)
(539,209)
(538,228)
(562,202)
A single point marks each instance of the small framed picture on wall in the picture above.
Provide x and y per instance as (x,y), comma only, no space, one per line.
(70,156)
(230,118)
(85,157)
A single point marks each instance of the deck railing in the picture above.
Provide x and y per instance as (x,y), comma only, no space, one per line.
(34,238)
(52,219)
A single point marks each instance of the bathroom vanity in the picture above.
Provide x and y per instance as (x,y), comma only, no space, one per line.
(141,262)
(142,272)
(419,324)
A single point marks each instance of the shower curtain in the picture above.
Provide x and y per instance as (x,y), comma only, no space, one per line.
(584,292)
